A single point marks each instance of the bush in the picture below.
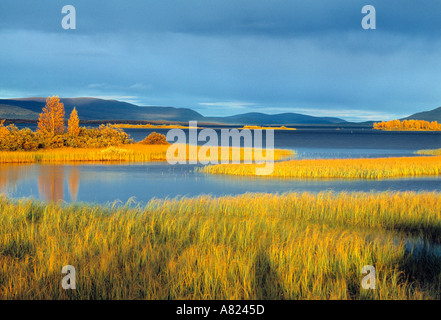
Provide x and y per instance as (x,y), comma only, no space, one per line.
(12,139)
(56,142)
(30,140)
(104,136)
(155,138)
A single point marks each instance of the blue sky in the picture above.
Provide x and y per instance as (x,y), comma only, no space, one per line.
(223,57)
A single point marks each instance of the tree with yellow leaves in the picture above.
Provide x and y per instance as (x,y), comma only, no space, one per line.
(73,125)
(408,125)
(51,121)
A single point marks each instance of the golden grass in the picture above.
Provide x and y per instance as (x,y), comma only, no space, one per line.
(128,153)
(292,246)
(434,152)
(339,168)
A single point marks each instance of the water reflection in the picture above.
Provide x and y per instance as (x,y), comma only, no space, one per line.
(51,181)
(11,175)
(106,183)
(74,183)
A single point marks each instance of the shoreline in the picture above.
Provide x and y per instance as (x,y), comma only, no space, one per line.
(359,168)
(135,152)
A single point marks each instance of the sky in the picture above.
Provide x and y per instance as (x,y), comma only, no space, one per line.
(225,57)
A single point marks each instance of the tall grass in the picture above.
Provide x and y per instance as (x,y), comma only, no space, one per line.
(434,152)
(130,153)
(254,246)
(339,168)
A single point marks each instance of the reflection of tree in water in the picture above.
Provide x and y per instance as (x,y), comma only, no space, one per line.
(74,183)
(51,182)
(9,175)
(3,179)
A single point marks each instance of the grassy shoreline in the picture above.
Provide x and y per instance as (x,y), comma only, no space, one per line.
(370,168)
(126,153)
(433,152)
(254,246)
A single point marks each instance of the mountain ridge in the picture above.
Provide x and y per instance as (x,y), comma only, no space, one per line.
(90,108)
(430,115)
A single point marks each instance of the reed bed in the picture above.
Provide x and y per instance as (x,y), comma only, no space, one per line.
(433,152)
(128,153)
(378,168)
(254,246)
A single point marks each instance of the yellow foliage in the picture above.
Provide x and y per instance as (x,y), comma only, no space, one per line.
(408,125)
(73,125)
(155,138)
(51,120)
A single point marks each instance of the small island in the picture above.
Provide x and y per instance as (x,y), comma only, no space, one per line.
(150,126)
(407,125)
(266,128)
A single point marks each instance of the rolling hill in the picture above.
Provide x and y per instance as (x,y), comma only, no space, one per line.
(256,118)
(432,115)
(100,109)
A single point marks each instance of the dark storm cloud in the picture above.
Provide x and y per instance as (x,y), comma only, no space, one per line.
(234,17)
(228,56)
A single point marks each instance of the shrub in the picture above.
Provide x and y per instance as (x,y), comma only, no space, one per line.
(104,136)
(155,138)
(12,139)
(56,142)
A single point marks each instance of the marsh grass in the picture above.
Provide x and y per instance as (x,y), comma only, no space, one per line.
(126,153)
(254,246)
(433,152)
(377,168)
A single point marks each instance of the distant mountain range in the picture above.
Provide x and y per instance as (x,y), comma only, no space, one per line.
(100,109)
(94,109)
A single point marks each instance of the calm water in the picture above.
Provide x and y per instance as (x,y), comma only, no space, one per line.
(341,143)
(333,142)
(107,183)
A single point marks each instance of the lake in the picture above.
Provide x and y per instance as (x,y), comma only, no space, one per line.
(340,143)
(106,183)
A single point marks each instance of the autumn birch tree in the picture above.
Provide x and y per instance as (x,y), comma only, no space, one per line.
(51,121)
(73,125)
